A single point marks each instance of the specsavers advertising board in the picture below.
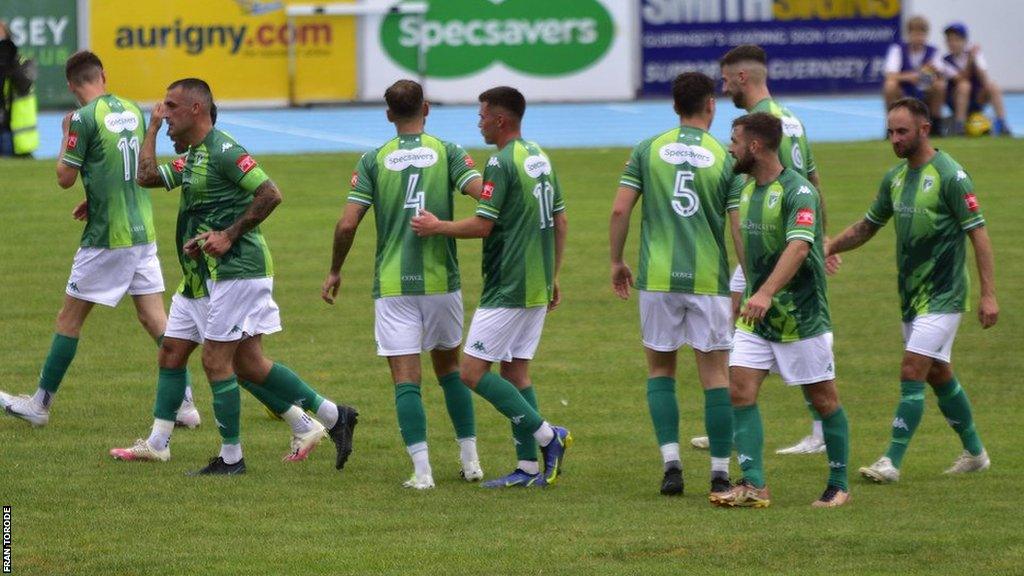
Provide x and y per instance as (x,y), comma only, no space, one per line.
(551,50)
(239,46)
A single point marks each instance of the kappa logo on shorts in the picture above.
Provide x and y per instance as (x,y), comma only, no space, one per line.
(488,191)
(479,346)
(235,328)
(245,163)
(805,217)
(73,287)
(72,140)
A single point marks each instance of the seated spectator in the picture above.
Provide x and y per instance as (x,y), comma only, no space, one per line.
(970,87)
(914,69)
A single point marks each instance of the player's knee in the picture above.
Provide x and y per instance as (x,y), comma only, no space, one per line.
(172,355)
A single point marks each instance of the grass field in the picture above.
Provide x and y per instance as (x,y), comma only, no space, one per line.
(76,511)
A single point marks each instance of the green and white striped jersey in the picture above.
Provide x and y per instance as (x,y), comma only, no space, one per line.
(521,195)
(409,173)
(684,177)
(104,138)
(934,206)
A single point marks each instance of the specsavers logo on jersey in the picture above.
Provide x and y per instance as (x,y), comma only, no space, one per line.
(421,157)
(465,36)
(118,122)
(537,166)
(678,153)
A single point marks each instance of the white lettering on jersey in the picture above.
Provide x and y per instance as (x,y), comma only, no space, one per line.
(536,166)
(118,122)
(421,157)
(677,153)
(792,127)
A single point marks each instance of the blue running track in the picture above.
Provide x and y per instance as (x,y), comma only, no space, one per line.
(357,129)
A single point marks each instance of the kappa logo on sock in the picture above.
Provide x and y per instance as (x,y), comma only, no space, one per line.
(836,465)
(952,422)
(900,423)
(517,419)
(743,458)
(219,425)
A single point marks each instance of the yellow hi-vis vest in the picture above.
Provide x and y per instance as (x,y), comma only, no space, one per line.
(24,131)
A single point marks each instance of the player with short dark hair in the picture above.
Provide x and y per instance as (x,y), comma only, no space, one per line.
(227,195)
(784,324)
(931,198)
(521,217)
(970,87)
(416,289)
(745,79)
(118,252)
(684,177)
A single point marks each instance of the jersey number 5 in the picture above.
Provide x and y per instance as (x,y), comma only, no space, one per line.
(685,203)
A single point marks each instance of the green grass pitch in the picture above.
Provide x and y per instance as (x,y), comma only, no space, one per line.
(76,511)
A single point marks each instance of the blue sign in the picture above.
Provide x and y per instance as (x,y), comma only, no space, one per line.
(813,47)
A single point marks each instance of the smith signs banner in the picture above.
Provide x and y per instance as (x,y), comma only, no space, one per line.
(239,46)
(551,50)
(812,45)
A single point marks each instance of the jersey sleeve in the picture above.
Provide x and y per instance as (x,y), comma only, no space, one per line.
(495,190)
(632,176)
(958,194)
(363,187)
(171,172)
(236,165)
(80,133)
(801,214)
(558,201)
(461,167)
(881,209)
(736,184)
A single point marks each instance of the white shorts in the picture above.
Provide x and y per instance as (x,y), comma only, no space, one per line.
(412,324)
(240,308)
(501,334)
(104,275)
(932,335)
(806,361)
(668,320)
(187,318)
(738,282)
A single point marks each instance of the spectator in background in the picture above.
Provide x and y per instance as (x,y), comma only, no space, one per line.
(18,106)
(970,88)
(914,68)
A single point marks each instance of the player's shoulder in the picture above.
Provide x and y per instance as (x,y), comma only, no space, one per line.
(220,143)
(793,182)
(947,166)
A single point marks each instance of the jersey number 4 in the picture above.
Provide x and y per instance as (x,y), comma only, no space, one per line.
(685,200)
(414,198)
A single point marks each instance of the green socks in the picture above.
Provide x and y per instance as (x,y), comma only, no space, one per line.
(287,385)
(749,438)
(504,396)
(227,405)
(718,421)
(526,444)
(459,400)
(412,420)
(272,401)
(170,391)
(661,401)
(908,416)
(62,352)
(837,445)
(956,408)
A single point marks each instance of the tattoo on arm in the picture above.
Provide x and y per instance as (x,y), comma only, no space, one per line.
(265,199)
(148,176)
